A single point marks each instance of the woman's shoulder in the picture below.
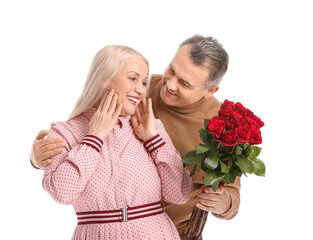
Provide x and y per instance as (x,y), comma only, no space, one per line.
(73,130)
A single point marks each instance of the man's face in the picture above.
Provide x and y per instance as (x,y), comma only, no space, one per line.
(183,81)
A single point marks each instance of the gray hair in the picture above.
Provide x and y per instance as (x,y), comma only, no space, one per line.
(208,52)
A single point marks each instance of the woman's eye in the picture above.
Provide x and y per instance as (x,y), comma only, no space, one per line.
(144,83)
(133,79)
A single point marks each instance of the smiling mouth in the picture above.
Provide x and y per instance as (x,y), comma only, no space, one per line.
(133,100)
(170,92)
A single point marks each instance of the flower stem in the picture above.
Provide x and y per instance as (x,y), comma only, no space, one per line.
(234,147)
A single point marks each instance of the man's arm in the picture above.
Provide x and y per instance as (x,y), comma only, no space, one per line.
(44,149)
(224,203)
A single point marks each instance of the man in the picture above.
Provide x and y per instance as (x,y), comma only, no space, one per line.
(181,98)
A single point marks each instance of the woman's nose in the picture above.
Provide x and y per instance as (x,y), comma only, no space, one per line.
(140,88)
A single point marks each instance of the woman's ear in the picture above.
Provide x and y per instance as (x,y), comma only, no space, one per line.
(210,91)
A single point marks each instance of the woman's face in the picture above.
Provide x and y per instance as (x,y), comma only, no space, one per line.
(130,84)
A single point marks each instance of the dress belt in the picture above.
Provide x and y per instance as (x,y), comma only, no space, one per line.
(120,215)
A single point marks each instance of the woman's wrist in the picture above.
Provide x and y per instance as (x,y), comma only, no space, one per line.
(93,141)
(154,143)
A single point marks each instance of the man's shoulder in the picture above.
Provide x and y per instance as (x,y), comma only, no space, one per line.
(156,77)
(212,107)
(155,84)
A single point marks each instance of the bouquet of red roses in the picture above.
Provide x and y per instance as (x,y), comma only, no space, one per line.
(228,151)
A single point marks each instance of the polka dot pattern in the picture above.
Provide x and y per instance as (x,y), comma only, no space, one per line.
(122,174)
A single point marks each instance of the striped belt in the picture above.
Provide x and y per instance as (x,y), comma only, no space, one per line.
(120,215)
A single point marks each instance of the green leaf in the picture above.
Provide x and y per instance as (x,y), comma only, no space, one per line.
(213,178)
(203,148)
(253,151)
(238,150)
(258,167)
(245,164)
(198,166)
(206,123)
(233,173)
(192,158)
(215,186)
(212,161)
(203,135)
(193,170)
(224,168)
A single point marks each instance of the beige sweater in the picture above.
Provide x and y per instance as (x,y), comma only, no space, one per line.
(182,125)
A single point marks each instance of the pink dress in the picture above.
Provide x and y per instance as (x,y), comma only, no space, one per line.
(120,173)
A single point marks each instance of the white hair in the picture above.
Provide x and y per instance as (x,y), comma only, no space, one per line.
(105,65)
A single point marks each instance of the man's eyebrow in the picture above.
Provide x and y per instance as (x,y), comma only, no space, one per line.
(186,82)
(171,67)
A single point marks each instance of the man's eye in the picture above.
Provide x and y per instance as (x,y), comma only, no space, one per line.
(185,84)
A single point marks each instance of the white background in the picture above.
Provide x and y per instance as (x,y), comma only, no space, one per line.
(46,48)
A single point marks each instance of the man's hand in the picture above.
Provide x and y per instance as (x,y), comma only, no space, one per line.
(44,149)
(216,202)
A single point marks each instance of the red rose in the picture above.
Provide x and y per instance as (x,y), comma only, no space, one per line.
(239,108)
(255,137)
(217,126)
(231,124)
(224,114)
(248,113)
(229,138)
(244,133)
(237,115)
(241,122)
(259,122)
(252,122)
(227,105)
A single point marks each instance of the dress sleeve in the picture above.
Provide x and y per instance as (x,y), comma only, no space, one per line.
(66,177)
(176,183)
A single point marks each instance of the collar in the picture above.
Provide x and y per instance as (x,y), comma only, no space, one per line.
(122,120)
(194,107)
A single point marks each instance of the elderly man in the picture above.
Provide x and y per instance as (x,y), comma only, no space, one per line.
(182,97)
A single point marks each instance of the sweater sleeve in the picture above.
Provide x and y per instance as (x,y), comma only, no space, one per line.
(66,177)
(176,183)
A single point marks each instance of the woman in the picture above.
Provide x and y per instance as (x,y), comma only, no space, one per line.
(118,161)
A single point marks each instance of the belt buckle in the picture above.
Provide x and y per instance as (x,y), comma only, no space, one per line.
(124,214)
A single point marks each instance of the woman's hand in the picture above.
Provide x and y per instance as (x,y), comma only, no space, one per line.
(143,121)
(106,115)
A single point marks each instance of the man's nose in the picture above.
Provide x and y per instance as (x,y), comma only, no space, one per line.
(171,83)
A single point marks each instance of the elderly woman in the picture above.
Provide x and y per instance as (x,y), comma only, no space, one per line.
(118,162)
